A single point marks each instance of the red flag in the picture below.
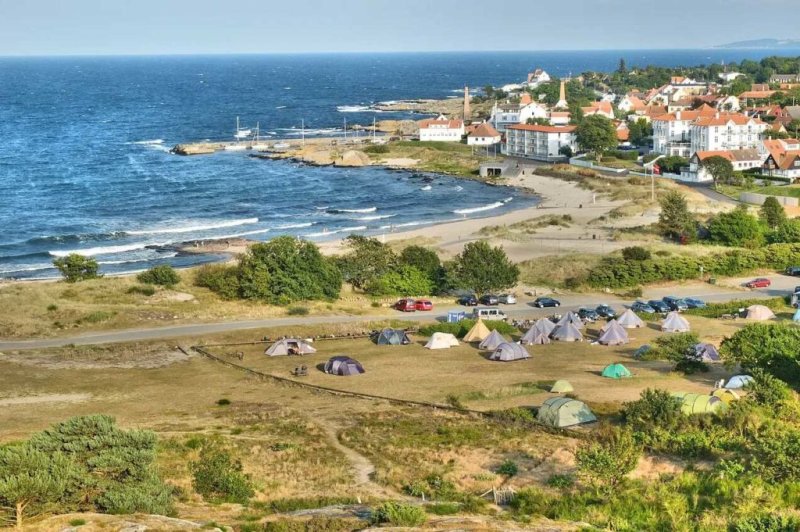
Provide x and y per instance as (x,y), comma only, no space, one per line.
(656,169)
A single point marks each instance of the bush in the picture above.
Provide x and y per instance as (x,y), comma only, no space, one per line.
(218,477)
(605,463)
(377,148)
(52,307)
(636,253)
(403,281)
(219,278)
(715,310)
(443,508)
(223,402)
(737,228)
(765,389)
(561,481)
(142,290)
(773,348)
(508,468)
(98,316)
(297,311)
(162,275)
(653,409)
(77,522)
(765,523)
(76,267)
(459,329)
(482,268)
(399,514)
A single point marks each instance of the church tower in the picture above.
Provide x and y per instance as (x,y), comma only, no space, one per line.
(562,97)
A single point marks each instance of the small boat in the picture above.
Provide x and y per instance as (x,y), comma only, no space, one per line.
(241,133)
(257,145)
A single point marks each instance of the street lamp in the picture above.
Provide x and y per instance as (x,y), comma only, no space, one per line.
(652,176)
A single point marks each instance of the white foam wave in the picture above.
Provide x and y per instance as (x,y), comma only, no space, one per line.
(508,199)
(239,235)
(480,209)
(356,211)
(131,261)
(102,250)
(281,107)
(194,228)
(148,142)
(294,226)
(353,108)
(376,217)
(25,268)
(343,230)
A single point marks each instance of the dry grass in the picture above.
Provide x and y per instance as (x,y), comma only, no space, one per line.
(555,270)
(524,230)
(440,157)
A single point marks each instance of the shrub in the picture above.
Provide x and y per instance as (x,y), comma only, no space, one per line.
(219,278)
(605,463)
(162,275)
(142,290)
(558,480)
(403,280)
(636,253)
(765,523)
(223,402)
(715,310)
(399,514)
(483,268)
(76,267)
(297,311)
(77,522)
(462,327)
(508,468)
(97,316)
(653,409)
(377,148)
(218,477)
(52,307)
(774,348)
(737,228)
(766,389)
(443,508)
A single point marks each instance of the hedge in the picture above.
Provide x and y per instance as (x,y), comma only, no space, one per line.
(715,310)
(616,272)
(462,327)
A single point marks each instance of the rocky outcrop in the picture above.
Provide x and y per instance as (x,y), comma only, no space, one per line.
(353,158)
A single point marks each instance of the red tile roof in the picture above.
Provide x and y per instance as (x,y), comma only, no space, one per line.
(449,124)
(543,129)
(731,155)
(484,130)
(757,95)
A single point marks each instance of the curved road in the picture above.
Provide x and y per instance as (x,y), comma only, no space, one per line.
(781,285)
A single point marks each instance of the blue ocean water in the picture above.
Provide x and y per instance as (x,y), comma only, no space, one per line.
(84,162)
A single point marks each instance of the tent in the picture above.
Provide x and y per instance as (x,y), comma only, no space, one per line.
(674,322)
(343,366)
(727,396)
(507,352)
(641,351)
(796,316)
(707,353)
(392,337)
(567,333)
(614,335)
(570,317)
(564,412)
(535,337)
(609,324)
(630,320)
(561,386)
(759,313)
(544,325)
(478,333)
(616,371)
(696,403)
(441,340)
(290,346)
(738,382)
(492,342)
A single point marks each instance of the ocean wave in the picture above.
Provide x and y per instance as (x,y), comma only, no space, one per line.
(102,250)
(131,261)
(353,108)
(239,235)
(368,218)
(194,228)
(25,268)
(489,207)
(356,211)
(148,142)
(294,226)
(281,107)
(337,231)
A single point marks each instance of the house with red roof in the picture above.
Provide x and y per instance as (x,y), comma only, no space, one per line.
(543,143)
(483,135)
(602,108)
(741,160)
(726,131)
(441,129)
(783,159)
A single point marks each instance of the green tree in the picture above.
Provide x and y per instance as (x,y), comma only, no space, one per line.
(679,349)
(640,130)
(367,260)
(655,409)
(219,278)
(218,477)
(788,232)
(163,274)
(765,389)
(675,221)
(404,280)
(606,462)
(774,348)
(483,268)
(597,134)
(425,260)
(623,68)
(719,167)
(76,267)
(736,228)
(636,253)
(772,213)
(285,270)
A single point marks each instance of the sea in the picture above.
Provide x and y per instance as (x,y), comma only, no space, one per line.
(85,164)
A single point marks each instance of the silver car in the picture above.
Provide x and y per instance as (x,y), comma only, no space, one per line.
(507,299)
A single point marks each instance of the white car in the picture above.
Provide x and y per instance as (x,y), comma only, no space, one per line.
(507,299)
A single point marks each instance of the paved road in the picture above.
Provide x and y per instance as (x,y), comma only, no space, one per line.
(712,194)
(781,285)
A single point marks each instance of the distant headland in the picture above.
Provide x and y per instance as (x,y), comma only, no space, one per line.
(763,43)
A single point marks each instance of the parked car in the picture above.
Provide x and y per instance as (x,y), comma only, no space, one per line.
(543,302)
(675,303)
(489,313)
(406,305)
(508,299)
(693,302)
(423,304)
(489,299)
(605,311)
(641,306)
(468,301)
(761,282)
(587,314)
(793,271)
(658,305)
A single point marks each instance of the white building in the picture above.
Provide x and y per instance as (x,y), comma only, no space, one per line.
(483,135)
(741,160)
(630,104)
(559,118)
(726,131)
(506,114)
(441,129)
(543,143)
(537,77)
(727,77)
(671,131)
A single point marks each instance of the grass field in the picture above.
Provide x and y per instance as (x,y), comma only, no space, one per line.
(442,157)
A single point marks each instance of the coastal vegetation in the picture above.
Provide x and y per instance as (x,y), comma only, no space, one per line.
(162,275)
(75,267)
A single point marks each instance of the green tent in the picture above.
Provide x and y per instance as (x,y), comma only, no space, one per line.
(564,412)
(561,387)
(616,371)
(696,403)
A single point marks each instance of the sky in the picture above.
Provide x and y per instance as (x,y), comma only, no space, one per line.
(120,27)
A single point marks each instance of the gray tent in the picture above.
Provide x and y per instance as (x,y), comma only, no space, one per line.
(343,366)
(610,324)
(707,353)
(564,412)
(630,320)
(641,351)
(567,333)
(535,337)
(290,346)
(492,341)
(570,317)
(507,351)
(544,325)
(392,337)
(614,335)
(674,322)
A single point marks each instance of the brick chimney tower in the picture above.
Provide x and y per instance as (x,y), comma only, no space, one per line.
(467,110)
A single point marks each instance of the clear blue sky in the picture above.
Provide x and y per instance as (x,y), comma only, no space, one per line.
(44,27)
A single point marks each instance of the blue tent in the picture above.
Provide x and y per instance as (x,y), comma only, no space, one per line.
(738,381)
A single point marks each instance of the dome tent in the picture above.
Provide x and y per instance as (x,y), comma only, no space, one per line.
(674,322)
(630,320)
(727,396)
(441,340)
(508,352)
(478,332)
(759,313)
(616,371)
(567,333)
(289,346)
(564,412)
(343,366)
(392,337)
(561,386)
(492,342)
(737,382)
(614,335)
(570,317)
(707,353)
(696,403)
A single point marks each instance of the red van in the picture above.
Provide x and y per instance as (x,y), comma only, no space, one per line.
(406,305)
(423,304)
